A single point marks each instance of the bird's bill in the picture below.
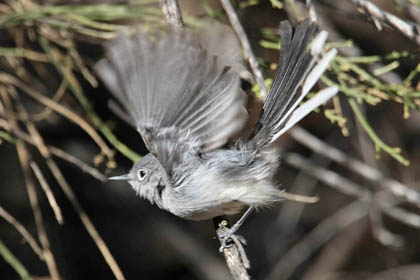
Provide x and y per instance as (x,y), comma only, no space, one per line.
(124,177)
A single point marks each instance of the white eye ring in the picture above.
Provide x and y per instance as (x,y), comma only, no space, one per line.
(141,174)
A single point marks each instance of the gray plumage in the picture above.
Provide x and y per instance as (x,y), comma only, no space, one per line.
(189,108)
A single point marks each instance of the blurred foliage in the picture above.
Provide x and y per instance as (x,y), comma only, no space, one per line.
(356,82)
(41,35)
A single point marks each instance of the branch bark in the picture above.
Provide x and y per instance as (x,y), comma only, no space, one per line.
(172,12)
(378,16)
(235,255)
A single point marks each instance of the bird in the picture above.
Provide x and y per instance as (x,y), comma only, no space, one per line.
(190,110)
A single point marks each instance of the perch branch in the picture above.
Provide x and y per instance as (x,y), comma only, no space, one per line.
(235,255)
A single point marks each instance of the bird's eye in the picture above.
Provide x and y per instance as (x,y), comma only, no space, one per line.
(142,174)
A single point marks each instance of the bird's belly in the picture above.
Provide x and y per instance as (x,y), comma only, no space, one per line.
(228,208)
(221,187)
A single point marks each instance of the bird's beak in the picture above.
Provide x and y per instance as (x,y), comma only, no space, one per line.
(120,178)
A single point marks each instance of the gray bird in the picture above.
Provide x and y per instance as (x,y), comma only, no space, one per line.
(189,108)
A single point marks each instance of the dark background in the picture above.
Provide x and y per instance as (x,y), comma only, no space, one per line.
(149,243)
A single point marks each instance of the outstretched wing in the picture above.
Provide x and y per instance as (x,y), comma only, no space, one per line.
(179,95)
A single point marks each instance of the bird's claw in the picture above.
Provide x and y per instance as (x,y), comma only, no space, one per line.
(228,237)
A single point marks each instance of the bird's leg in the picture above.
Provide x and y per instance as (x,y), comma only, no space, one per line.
(230,234)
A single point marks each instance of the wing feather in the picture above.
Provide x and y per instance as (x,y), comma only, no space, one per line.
(174,90)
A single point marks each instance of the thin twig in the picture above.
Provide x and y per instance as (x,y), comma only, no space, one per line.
(235,256)
(57,96)
(80,62)
(325,23)
(56,152)
(23,157)
(103,248)
(25,53)
(172,12)
(14,262)
(383,202)
(47,190)
(379,232)
(312,11)
(341,219)
(398,189)
(403,216)
(322,233)
(335,254)
(379,144)
(204,264)
(42,233)
(22,230)
(249,55)
(408,271)
(326,176)
(411,31)
(386,204)
(290,212)
(9,79)
(66,71)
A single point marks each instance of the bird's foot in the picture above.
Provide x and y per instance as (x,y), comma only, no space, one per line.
(230,236)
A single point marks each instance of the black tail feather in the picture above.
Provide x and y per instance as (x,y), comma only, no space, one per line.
(295,62)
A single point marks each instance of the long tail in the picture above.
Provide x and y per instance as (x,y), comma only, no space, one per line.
(296,75)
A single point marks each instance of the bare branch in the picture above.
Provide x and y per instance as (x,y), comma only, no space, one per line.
(403,216)
(207,266)
(380,233)
(326,176)
(172,13)
(22,230)
(235,256)
(411,31)
(318,237)
(290,212)
(9,79)
(23,157)
(42,233)
(398,189)
(47,190)
(62,182)
(56,152)
(249,55)
(57,96)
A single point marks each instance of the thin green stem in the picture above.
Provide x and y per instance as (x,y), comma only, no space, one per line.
(379,144)
(78,93)
(14,262)
(7,137)
(102,12)
(26,53)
